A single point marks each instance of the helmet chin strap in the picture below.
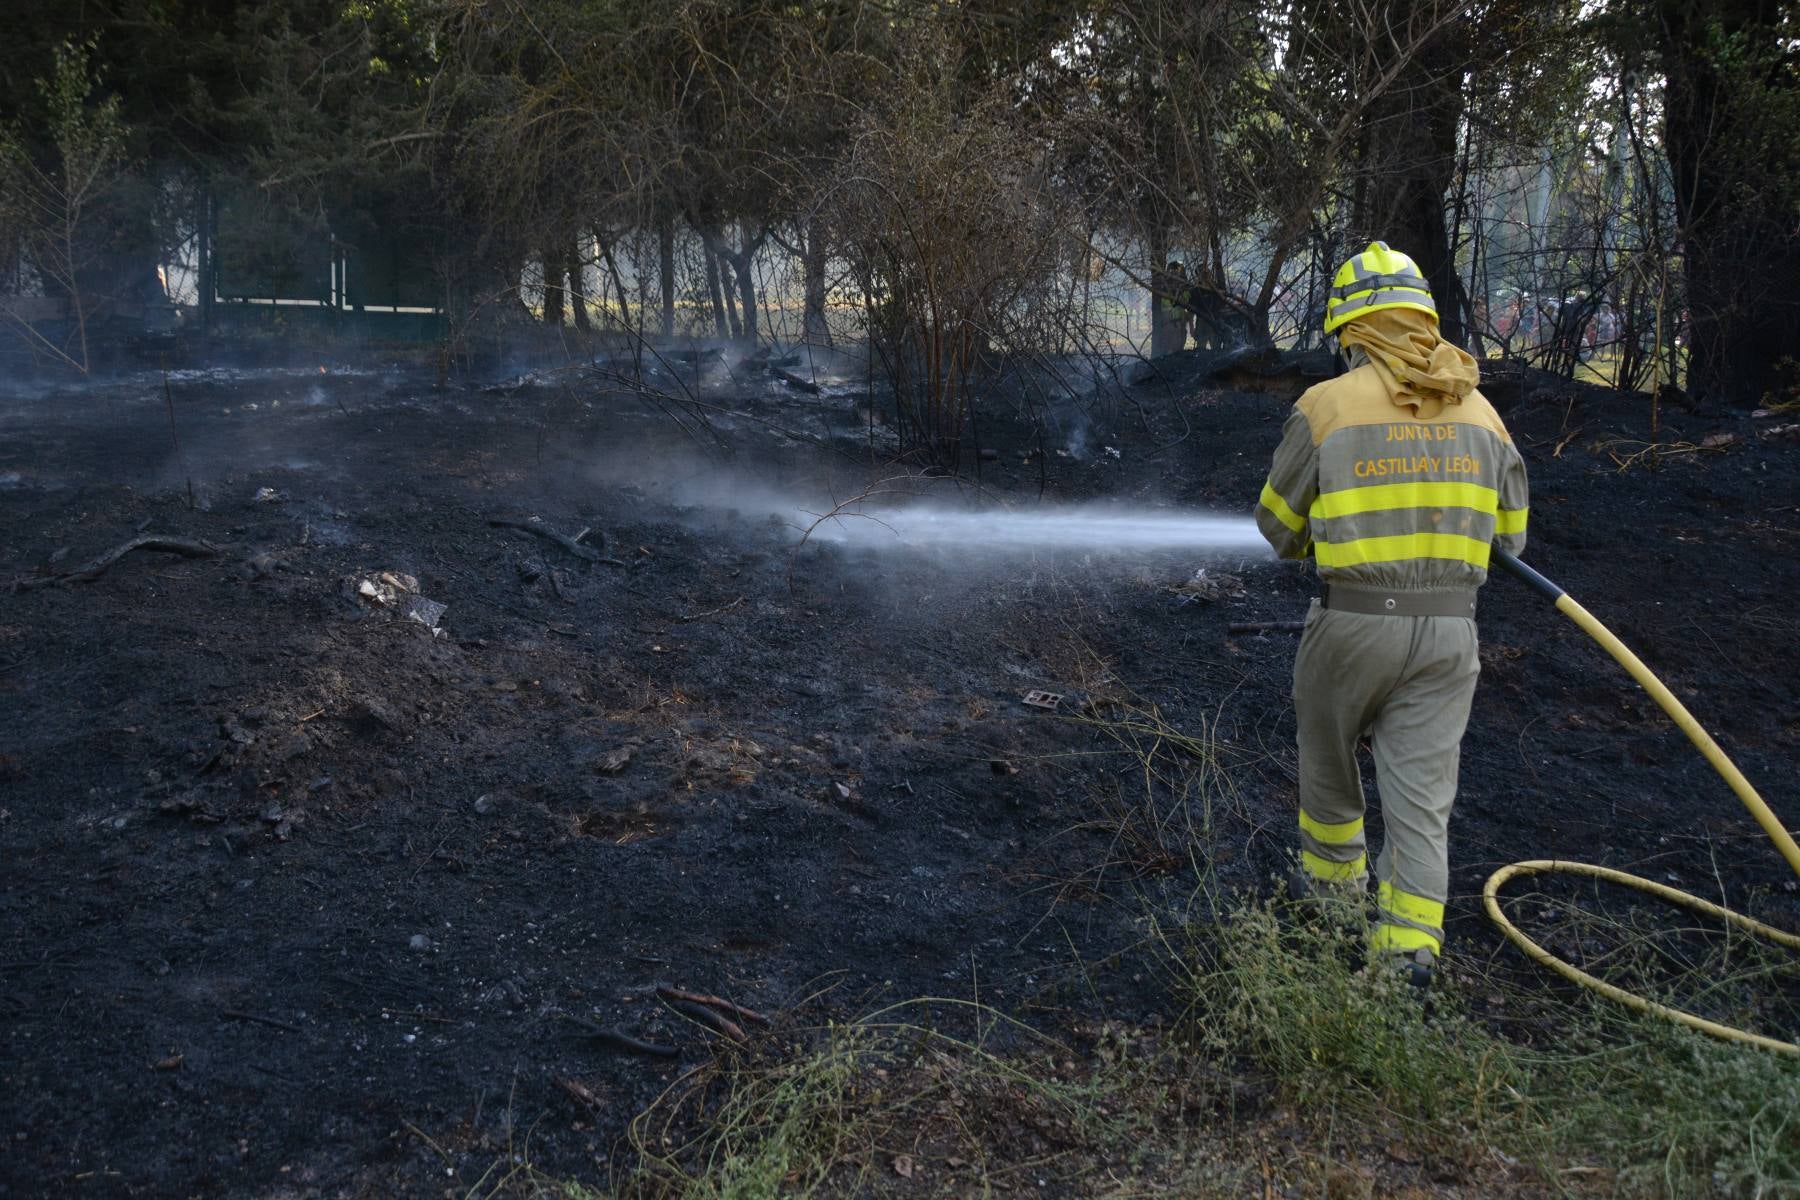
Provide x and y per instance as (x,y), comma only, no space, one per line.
(1345,359)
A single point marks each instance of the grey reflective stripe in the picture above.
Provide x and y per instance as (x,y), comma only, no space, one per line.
(1365,283)
(1393,296)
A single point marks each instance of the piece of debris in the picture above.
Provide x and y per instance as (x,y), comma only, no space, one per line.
(507,991)
(387,587)
(1000,766)
(1038,698)
(268,495)
(418,943)
(1209,587)
(368,714)
(578,1091)
(425,612)
(171,1063)
(262,566)
(399,591)
(796,382)
(619,757)
(1716,440)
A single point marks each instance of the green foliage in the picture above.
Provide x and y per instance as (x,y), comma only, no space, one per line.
(1676,1113)
(1291,991)
(864,1106)
(82,147)
(49,193)
(89,136)
(1663,1110)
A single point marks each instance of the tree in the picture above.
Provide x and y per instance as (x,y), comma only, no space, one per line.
(1732,129)
(46,206)
(946,209)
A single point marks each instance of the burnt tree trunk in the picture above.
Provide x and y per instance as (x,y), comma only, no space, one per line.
(728,290)
(578,302)
(713,290)
(1156,249)
(816,330)
(1409,160)
(1737,204)
(665,254)
(747,290)
(609,269)
(553,289)
(737,264)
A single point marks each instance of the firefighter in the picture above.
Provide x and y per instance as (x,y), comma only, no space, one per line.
(1396,478)
(1172,313)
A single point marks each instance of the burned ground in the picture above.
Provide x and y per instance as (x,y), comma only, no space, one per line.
(302,898)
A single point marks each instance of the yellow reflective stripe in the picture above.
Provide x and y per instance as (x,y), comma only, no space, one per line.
(1334,872)
(1510,520)
(1410,907)
(1271,500)
(1332,835)
(1403,938)
(1347,501)
(1403,546)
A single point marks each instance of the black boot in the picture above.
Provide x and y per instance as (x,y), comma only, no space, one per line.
(1417,967)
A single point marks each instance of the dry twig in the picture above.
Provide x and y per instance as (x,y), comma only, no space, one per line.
(711,1001)
(567,543)
(93,570)
(712,1020)
(1266,627)
(624,1041)
(234,1015)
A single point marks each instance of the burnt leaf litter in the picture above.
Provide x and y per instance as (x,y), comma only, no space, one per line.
(337,861)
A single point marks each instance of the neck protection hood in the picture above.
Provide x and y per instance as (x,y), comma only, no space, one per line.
(1421,371)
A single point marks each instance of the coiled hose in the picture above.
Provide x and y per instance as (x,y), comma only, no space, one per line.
(1784,841)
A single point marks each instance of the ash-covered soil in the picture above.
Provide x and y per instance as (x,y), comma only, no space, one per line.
(302,898)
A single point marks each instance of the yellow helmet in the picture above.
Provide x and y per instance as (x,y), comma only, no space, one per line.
(1377,278)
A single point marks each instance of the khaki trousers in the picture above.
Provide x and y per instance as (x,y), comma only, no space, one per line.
(1407,682)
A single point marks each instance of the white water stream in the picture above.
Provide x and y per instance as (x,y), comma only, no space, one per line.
(1106,531)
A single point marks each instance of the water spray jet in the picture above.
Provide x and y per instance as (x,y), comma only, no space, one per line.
(1104,531)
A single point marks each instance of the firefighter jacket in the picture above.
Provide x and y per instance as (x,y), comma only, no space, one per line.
(1386,499)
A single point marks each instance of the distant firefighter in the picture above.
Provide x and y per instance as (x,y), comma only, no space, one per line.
(1170,314)
(1218,323)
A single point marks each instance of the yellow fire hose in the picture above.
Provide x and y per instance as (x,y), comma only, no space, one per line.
(1784,841)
